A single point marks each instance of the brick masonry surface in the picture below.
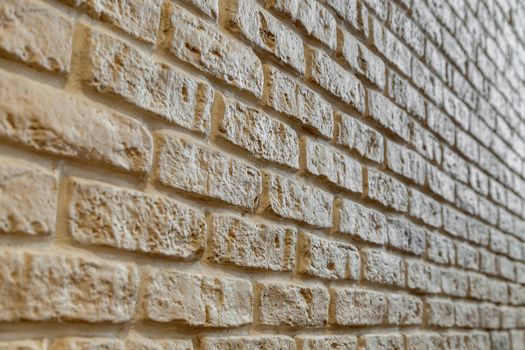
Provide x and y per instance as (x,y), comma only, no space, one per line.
(262,174)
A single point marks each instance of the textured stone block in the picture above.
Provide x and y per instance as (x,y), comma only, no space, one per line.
(43,286)
(36,34)
(188,166)
(361,222)
(356,307)
(388,115)
(356,136)
(384,268)
(134,221)
(197,300)
(248,342)
(286,304)
(327,259)
(404,310)
(70,127)
(387,190)
(264,137)
(246,244)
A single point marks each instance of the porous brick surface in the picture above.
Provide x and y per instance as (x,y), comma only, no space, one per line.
(262,174)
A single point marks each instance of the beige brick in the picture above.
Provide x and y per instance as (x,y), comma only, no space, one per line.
(405,236)
(265,32)
(210,8)
(264,137)
(388,115)
(425,208)
(23,345)
(112,67)
(405,162)
(248,342)
(384,268)
(362,60)
(356,136)
(406,96)
(454,282)
(42,286)
(388,45)
(441,249)
(387,190)
(356,307)
(243,243)
(201,45)
(382,342)
(425,143)
(286,304)
(288,96)
(134,221)
(86,343)
(310,16)
(138,18)
(197,300)
(361,222)
(327,259)
(324,71)
(294,200)
(70,127)
(440,313)
(423,277)
(467,256)
(344,342)
(425,341)
(138,342)
(35,34)
(28,198)
(326,163)
(467,315)
(404,310)
(188,166)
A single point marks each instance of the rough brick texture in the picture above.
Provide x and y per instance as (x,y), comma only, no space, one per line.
(262,174)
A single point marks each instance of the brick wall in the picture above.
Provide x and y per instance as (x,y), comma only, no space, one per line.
(250,174)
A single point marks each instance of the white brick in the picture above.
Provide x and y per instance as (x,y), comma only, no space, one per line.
(425,208)
(388,115)
(405,236)
(440,313)
(248,342)
(387,190)
(361,222)
(405,162)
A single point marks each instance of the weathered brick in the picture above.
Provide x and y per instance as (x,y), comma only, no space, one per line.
(454,165)
(454,282)
(456,109)
(489,316)
(294,200)
(138,18)
(197,300)
(71,127)
(467,199)
(425,208)
(288,96)
(441,249)
(517,339)
(382,342)
(248,342)
(506,268)
(498,291)
(405,162)
(401,24)
(478,180)
(188,166)
(256,132)
(406,236)
(454,222)
(309,15)
(498,242)
(487,262)
(23,345)
(478,286)
(319,257)
(43,286)
(200,44)
(404,310)
(467,256)
(435,59)
(346,342)
(135,221)
(440,313)
(361,222)
(326,163)
(357,136)
(467,315)
(357,307)
(425,143)
(328,74)
(265,32)
(405,95)
(293,305)
(425,341)
(389,46)
(362,60)
(28,200)
(441,124)
(384,268)
(236,241)
(424,79)
(440,183)
(113,67)
(423,277)
(388,115)
(387,190)
(138,342)
(36,34)
(467,145)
